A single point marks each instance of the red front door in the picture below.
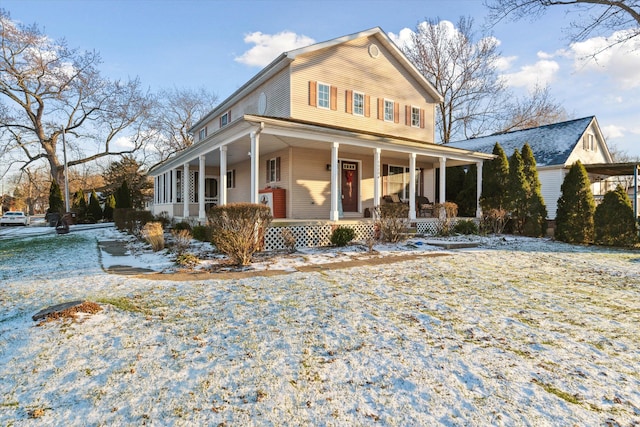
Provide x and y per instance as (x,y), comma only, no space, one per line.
(350,186)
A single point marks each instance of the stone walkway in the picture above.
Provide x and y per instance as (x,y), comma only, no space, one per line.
(118,248)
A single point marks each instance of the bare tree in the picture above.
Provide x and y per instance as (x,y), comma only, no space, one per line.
(536,109)
(591,16)
(463,71)
(176,111)
(46,87)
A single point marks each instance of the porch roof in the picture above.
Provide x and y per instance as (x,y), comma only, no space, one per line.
(278,133)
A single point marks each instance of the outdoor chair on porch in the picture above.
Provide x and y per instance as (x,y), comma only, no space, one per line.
(424,208)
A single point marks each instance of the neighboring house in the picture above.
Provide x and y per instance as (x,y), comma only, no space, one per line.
(321,133)
(556,147)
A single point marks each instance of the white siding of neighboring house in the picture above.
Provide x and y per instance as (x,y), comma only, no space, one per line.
(550,182)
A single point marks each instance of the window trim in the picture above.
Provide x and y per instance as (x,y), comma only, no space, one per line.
(273,170)
(202,134)
(319,100)
(415,113)
(231,178)
(362,105)
(388,102)
(226,118)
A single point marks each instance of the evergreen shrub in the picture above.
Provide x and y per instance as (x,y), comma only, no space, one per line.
(466,227)
(576,207)
(202,233)
(613,220)
(341,236)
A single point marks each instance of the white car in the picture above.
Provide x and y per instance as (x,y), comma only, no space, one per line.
(14,218)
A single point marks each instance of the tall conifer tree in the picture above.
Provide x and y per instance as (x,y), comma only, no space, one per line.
(517,191)
(495,175)
(56,203)
(536,218)
(576,207)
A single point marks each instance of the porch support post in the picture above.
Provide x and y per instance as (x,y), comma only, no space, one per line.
(412,186)
(174,188)
(635,192)
(222,193)
(478,189)
(201,176)
(443,186)
(255,162)
(185,190)
(334,215)
(376,180)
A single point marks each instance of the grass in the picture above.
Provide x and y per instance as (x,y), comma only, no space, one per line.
(124,304)
(561,394)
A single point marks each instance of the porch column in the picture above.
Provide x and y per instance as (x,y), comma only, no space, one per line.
(201,176)
(334,215)
(478,189)
(255,165)
(443,186)
(174,188)
(222,193)
(376,180)
(162,188)
(412,186)
(185,190)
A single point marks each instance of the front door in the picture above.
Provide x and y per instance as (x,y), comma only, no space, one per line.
(350,186)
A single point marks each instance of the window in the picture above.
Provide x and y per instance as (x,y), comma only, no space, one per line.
(589,142)
(179,185)
(324,92)
(415,117)
(396,180)
(202,134)
(388,111)
(225,119)
(273,170)
(358,104)
(231,178)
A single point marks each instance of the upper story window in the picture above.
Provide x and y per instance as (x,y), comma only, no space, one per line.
(225,118)
(388,110)
(589,142)
(202,134)
(415,117)
(358,104)
(324,93)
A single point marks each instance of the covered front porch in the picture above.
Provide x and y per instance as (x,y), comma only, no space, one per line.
(304,171)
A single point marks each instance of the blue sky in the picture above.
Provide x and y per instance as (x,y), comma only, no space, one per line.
(222,44)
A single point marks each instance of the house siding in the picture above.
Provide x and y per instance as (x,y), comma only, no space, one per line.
(550,182)
(587,156)
(349,67)
(276,91)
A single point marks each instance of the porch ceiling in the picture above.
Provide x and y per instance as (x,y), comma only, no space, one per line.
(278,134)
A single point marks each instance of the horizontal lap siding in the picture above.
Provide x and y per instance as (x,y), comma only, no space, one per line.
(349,67)
(550,183)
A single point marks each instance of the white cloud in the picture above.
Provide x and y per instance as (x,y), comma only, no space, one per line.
(619,62)
(542,73)
(613,131)
(269,46)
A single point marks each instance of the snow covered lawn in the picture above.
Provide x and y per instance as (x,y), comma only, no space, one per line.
(516,332)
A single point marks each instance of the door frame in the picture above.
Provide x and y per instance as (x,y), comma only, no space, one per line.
(359,182)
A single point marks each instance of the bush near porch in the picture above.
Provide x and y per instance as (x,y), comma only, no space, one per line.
(238,229)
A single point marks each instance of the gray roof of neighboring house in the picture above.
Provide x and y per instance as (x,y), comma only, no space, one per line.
(551,144)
